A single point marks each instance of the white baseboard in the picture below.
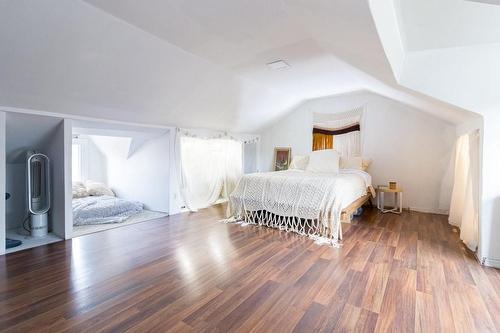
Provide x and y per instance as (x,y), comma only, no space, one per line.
(490,262)
(428,210)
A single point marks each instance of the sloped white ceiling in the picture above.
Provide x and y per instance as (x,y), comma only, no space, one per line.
(431,24)
(127,139)
(192,63)
(448,49)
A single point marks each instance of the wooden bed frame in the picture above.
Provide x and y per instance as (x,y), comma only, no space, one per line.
(345,215)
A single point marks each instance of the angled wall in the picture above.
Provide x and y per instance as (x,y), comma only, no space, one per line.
(461,69)
(405,145)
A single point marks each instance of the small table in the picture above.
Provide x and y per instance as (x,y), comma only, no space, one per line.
(398,199)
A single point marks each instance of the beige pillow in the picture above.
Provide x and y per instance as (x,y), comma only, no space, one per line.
(355,162)
(324,161)
(79,190)
(299,162)
(97,189)
(366,163)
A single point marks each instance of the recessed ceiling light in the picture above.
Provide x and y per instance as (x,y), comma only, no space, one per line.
(278,64)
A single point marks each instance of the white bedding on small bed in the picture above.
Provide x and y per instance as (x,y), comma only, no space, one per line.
(103,209)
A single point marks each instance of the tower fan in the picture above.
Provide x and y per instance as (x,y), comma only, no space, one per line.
(38,193)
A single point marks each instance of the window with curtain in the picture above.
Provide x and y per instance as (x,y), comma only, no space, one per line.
(79,159)
(464,207)
(210,169)
(76,163)
(339,131)
(322,141)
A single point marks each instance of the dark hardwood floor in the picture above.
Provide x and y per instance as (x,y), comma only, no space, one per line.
(191,273)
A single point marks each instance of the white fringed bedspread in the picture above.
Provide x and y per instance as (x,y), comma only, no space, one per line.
(303,202)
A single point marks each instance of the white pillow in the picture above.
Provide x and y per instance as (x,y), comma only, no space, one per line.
(98,189)
(299,162)
(324,161)
(79,190)
(355,162)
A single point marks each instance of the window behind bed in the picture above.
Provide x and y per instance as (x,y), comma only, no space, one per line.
(339,131)
(77,163)
(79,160)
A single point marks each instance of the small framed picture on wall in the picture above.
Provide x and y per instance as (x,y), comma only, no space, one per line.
(282,157)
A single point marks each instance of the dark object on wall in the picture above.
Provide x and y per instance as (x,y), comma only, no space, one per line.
(7,196)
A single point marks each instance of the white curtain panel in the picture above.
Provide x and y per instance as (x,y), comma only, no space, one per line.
(464,198)
(210,169)
(349,144)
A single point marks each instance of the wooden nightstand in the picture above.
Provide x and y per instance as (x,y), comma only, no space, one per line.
(398,199)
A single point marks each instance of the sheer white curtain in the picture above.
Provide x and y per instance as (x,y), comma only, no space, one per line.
(464,198)
(210,169)
(348,144)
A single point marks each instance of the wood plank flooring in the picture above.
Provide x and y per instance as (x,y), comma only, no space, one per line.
(191,273)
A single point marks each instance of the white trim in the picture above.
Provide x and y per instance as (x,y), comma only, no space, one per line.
(428,210)
(490,262)
(83,118)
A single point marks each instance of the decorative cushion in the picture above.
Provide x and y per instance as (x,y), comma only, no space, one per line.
(98,189)
(355,162)
(79,190)
(324,161)
(366,163)
(299,162)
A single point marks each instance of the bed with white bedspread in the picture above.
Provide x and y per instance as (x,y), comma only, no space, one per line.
(308,203)
(103,209)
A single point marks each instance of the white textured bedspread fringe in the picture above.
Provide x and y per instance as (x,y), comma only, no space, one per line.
(305,203)
(305,227)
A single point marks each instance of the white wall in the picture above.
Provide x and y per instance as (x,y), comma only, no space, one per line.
(15,184)
(144,176)
(405,144)
(250,156)
(2,182)
(68,189)
(176,202)
(54,148)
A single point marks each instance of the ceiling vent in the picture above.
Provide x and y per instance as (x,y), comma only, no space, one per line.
(278,64)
